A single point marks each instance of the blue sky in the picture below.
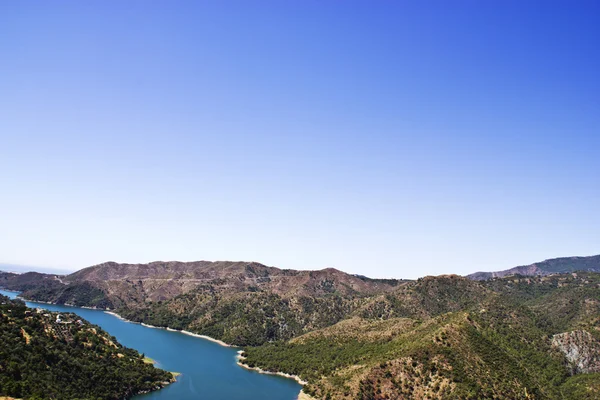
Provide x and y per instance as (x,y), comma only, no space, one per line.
(391,139)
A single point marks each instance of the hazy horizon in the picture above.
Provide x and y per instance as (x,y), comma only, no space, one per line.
(17,268)
(388,139)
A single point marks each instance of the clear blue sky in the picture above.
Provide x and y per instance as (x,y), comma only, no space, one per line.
(387,138)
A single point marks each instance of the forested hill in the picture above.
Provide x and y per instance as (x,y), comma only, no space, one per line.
(451,338)
(45,358)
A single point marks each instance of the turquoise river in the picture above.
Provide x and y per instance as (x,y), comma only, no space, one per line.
(208,370)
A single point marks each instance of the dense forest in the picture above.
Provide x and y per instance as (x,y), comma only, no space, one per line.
(45,355)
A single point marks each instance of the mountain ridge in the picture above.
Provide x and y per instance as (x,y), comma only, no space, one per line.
(546,267)
(160,280)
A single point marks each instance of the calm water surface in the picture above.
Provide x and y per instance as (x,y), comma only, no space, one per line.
(208,370)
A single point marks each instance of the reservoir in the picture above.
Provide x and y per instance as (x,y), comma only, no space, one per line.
(208,370)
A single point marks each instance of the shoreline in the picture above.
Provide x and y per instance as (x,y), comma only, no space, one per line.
(238,357)
(304,396)
(161,386)
(108,311)
(210,339)
(148,360)
(56,304)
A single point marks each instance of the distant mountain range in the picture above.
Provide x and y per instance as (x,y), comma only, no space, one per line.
(28,268)
(352,337)
(547,267)
(186,273)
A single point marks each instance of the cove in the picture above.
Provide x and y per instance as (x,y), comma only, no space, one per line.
(208,370)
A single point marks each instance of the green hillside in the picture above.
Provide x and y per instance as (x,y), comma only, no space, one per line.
(41,358)
(497,345)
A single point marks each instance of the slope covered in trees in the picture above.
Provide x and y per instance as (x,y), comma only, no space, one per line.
(44,358)
(449,338)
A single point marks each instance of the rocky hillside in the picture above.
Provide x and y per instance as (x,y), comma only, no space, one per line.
(547,267)
(581,350)
(133,285)
(452,338)
(239,302)
(43,356)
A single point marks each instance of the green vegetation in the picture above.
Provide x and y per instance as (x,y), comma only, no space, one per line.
(585,387)
(79,294)
(490,340)
(250,318)
(41,358)
(351,337)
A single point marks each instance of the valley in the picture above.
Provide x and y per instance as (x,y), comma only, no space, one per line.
(352,337)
